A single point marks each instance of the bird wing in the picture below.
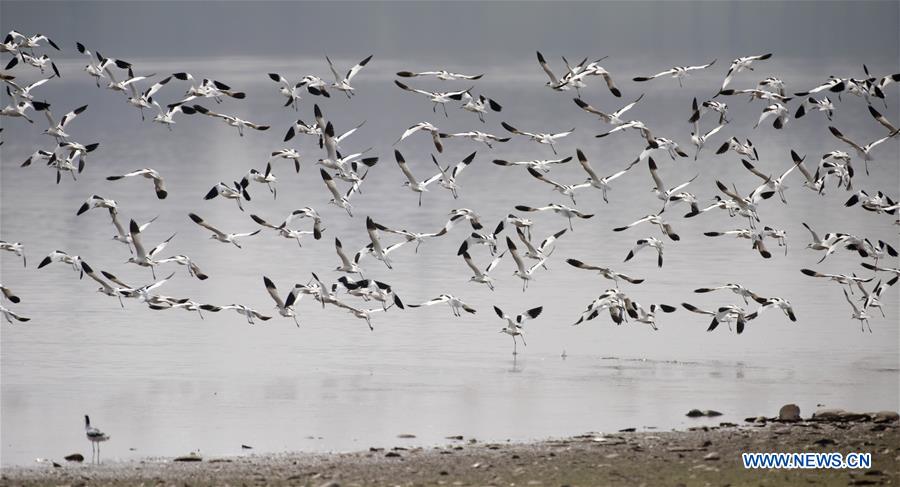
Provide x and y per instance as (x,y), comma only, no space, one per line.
(273,291)
(357,68)
(403,167)
(159,247)
(136,240)
(660,186)
(329,182)
(199,221)
(546,68)
(541,177)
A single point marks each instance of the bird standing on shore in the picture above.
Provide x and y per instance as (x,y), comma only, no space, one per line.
(95,436)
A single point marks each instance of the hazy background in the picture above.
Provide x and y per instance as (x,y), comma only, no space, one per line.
(163,383)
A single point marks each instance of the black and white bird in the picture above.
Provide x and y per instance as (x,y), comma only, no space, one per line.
(659,188)
(167,117)
(539,252)
(777,110)
(479,105)
(863,151)
(285,307)
(648,316)
(9,316)
(563,189)
(699,140)
(542,165)
(418,237)
(236,192)
(96,201)
(425,127)
(8,294)
(60,256)
(20,109)
(17,248)
(441,74)
(159,185)
(603,271)
(859,314)
(523,272)
(893,270)
(677,72)
(289,90)
(291,233)
(657,220)
(249,313)
(774,303)
(96,69)
(232,120)
(141,257)
(268,178)
(539,137)
(842,279)
(342,83)
(95,436)
(707,106)
(347,266)
(411,182)
(561,210)
(480,276)
(338,199)
(726,314)
(220,235)
(745,149)
(614,118)
(810,103)
(448,175)
(643,243)
(770,183)
(757,237)
(377,250)
(741,64)
(22,93)
(515,325)
(593,180)
(436,98)
(193,268)
(457,305)
(738,289)
(58,129)
(478,136)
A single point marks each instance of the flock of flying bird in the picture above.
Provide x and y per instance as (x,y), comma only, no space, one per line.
(513,235)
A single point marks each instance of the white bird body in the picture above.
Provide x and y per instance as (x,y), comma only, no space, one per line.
(677,72)
(231,120)
(17,248)
(539,137)
(515,325)
(614,118)
(457,305)
(741,64)
(220,235)
(342,83)
(425,127)
(95,436)
(159,184)
(411,182)
(561,210)
(542,165)
(651,242)
(436,98)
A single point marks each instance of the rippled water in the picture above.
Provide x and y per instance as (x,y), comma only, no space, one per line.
(163,383)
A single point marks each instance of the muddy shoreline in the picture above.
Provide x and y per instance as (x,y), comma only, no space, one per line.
(698,456)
